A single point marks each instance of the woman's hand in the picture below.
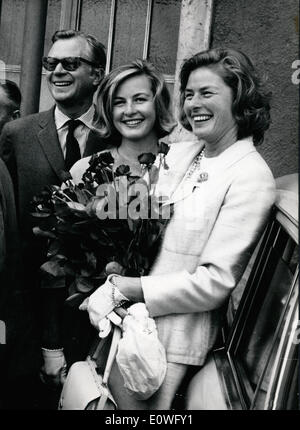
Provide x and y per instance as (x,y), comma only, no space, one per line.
(113,318)
(103,301)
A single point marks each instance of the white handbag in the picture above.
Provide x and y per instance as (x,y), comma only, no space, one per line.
(85,388)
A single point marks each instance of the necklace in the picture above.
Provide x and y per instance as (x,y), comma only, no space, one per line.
(203,176)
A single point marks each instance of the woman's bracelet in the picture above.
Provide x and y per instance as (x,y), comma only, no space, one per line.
(116,291)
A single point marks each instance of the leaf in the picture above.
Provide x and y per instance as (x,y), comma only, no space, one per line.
(48,281)
(76,206)
(84,285)
(82,196)
(130,224)
(133,224)
(40,214)
(86,271)
(72,289)
(54,248)
(67,228)
(37,231)
(48,223)
(53,268)
(61,209)
(70,269)
(91,259)
(75,300)
(99,278)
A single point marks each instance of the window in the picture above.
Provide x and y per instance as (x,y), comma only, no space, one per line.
(129,29)
(264,323)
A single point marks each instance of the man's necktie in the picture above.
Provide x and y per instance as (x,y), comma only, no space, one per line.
(72,145)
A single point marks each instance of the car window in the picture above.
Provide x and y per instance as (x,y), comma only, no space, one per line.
(260,325)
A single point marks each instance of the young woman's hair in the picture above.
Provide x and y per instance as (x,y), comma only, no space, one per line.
(165,122)
(251,102)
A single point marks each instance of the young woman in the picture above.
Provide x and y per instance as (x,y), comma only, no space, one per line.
(134,113)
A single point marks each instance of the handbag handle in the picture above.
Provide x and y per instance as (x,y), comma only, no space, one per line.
(117,333)
(112,353)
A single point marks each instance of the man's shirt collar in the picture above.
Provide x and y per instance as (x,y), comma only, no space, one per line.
(61,119)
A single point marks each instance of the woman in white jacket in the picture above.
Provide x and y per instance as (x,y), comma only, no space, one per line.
(222,192)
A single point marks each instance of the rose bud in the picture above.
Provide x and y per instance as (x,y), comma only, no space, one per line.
(122,170)
(163,148)
(106,158)
(114,267)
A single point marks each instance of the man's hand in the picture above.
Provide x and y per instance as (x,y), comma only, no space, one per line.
(54,370)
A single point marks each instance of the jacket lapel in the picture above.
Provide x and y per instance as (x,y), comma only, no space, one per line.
(48,140)
(234,153)
(179,159)
(94,144)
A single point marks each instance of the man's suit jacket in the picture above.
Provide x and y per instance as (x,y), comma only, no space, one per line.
(31,150)
(14,318)
(9,242)
(207,244)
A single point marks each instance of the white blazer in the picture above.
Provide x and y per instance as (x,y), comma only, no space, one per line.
(206,246)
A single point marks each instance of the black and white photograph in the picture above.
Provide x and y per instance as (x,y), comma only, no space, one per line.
(149,207)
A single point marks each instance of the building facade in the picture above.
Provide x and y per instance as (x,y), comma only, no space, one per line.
(165,32)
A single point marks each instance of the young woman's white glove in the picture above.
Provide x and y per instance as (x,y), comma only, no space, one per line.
(54,370)
(103,301)
(106,324)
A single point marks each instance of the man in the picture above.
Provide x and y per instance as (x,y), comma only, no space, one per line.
(10,101)
(34,147)
(9,260)
(39,148)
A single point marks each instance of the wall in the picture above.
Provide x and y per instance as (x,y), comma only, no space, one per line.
(129,33)
(268,32)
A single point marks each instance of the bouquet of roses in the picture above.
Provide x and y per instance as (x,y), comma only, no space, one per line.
(111,222)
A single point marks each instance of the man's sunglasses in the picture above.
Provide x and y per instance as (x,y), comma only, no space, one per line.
(69,63)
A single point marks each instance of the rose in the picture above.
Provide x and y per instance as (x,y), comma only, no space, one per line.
(147,158)
(163,148)
(106,159)
(122,170)
(114,267)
